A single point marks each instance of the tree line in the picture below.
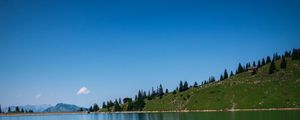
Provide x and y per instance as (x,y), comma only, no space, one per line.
(16,110)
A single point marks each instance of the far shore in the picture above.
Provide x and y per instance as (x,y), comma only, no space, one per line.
(227,110)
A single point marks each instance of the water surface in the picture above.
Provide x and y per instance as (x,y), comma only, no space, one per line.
(242,115)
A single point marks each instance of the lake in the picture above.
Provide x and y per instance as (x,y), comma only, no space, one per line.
(241,115)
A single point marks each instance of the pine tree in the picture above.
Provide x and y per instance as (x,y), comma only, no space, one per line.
(180,86)
(167,91)
(120,101)
(221,78)
(149,95)
(160,91)
(22,110)
(185,86)
(263,62)
(231,74)
(153,93)
(296,54)
(286,53)
(9,110)
(248,66)
(117,106)
(174,92)
(195,84)
(272,67)
(0,109)
(213,79)
(103,105)
(225,74)
(283,63)
(258,64)
(139,103)
(17,109)
(240,69)
(210,79)
(96,108)
(268,59)
(91,109)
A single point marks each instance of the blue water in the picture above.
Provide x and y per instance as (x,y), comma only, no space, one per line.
(253,115)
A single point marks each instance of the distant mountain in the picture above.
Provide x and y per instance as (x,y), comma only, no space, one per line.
(35,108)
(61,107)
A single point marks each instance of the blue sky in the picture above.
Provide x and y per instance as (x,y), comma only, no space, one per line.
(49,49)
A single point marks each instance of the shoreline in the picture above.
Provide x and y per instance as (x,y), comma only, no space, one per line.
(170,111)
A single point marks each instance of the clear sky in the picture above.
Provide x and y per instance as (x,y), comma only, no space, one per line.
(49,49)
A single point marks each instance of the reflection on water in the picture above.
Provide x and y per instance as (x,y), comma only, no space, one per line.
(250,115)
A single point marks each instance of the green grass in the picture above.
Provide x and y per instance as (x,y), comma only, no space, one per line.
(243,91)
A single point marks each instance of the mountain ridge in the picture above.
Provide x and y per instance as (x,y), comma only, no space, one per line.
(63,107)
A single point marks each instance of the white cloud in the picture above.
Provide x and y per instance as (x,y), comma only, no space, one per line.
(83,90)
(38,96)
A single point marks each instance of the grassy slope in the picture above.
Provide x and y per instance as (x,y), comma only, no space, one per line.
(242,91)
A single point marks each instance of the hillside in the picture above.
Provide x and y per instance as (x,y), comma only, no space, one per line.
(242,91)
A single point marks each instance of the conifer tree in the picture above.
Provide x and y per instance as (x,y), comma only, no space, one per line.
(240,68)
(263,62)
(117,106)
(9,110)
(296,54)
(174,92)
(0,109)
(258,64)
(225,74)
(180,86)
(91,109)
(268,60)
(185,86)
(17,109)
(195,84)
(210,79)
(149,95)
(167,91)
(160,91)
(153,93)
(139,103)
(283,63)
(221,78)
(231,74)
(103,105)
(120,101)
(248,66)
(96,108)
(272,67)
